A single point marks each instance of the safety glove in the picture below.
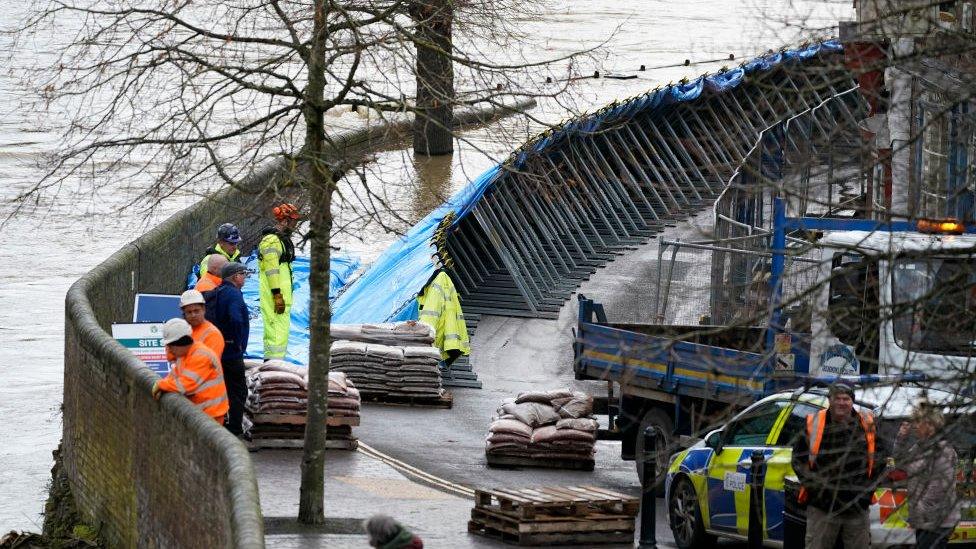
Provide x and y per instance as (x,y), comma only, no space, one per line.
(279,301)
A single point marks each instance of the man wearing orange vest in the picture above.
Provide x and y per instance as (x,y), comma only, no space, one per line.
(835,462)
(194,309)
(211,279)
(196,375)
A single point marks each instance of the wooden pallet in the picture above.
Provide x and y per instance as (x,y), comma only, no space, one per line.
(551,538)
(544,524)
(527,503)
(569,515)
(495,460)
(445,401)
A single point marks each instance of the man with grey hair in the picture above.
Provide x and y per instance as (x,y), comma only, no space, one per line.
(835,462)
(386,533)
(210,279)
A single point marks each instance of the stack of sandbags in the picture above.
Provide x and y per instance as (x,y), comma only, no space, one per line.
(344,399)
(406,333)
(276,387)
(419,374)
(277,402)
(544,425)
(367,366)
(343,411)
(389,371)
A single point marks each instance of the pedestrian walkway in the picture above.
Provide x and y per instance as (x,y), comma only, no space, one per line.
(356,487)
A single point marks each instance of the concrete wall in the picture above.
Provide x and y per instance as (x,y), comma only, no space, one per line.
(151,474)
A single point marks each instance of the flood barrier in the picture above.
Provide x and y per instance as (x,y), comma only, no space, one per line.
(522,237)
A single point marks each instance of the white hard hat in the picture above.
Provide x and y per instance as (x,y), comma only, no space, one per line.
(191,297)
(174,329)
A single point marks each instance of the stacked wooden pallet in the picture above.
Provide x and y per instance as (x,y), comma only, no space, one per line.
(566,515)
(288,431)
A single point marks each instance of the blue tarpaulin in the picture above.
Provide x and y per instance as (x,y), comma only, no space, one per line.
(341,268)
(388,290)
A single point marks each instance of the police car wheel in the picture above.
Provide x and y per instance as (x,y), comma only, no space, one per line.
(684,516)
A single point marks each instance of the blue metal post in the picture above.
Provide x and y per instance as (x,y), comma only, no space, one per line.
(776,272)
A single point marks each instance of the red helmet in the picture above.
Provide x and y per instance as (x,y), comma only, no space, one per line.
(285,211)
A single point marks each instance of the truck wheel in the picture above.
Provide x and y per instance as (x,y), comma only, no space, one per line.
(684,517)
(665,445)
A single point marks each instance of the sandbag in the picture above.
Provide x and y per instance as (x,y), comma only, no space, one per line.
(579,424)
(344,402)
(267,393)
(542,397)
(580,405)
(265,378)
(278,385)
(394,354)
(282,366)
(343,347)
(560,394)
(511,426)
(496,438)
(543,434)
(417,352)
(507,449)
(572,435)
(532,413)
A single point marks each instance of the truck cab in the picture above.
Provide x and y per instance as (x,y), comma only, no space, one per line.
(893,302)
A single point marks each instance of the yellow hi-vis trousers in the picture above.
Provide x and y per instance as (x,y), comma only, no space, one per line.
(276,328)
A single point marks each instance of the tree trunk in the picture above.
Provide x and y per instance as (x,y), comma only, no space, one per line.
(311,508)
(433,127)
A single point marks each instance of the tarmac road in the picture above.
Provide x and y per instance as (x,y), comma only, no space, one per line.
(511,355)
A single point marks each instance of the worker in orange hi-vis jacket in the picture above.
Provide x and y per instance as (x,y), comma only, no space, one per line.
(197,374)
(211,279)
(194,309)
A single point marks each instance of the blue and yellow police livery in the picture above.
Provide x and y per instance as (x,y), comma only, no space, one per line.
(708,485)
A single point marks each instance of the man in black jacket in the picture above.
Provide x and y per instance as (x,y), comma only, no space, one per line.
(227,310)
(835,462)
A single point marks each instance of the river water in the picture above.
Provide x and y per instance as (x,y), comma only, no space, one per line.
(71,229)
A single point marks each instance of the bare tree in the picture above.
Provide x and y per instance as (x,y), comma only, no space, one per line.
(176,94)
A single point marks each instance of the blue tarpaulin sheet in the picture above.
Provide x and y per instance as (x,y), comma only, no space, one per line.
(388,290)
(341,268)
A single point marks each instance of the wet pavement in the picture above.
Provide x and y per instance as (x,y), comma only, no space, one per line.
(358,486)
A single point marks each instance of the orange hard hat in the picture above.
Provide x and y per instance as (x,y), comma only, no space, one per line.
(285,211)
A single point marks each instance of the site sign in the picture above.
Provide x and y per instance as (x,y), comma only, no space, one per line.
(145,340)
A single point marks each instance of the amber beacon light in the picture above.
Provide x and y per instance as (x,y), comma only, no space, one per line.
(943,226)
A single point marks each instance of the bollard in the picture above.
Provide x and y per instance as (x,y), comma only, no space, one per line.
(756,501)
(648,521)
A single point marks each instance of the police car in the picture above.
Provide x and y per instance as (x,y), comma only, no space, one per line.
(708,485)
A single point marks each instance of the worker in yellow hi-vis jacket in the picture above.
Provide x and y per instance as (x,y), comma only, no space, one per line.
(275,254)
(440,308)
